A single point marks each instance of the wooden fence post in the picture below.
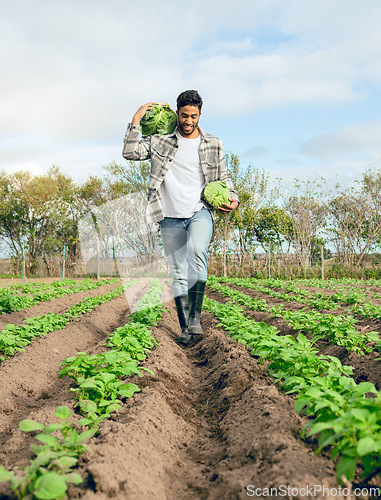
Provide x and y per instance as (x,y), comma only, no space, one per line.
(98,260)
(23,258)
(63,262)
(322,261)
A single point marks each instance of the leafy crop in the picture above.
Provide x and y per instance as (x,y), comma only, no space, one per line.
(9,301)
(367,310)
(159,119)
(338,329)
(340,411)
(216,193)
(100,387)
(15,337)
(47,475)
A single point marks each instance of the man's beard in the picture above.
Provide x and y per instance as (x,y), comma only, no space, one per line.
(188,132)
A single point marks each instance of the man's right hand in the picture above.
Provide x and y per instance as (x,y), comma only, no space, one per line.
(142,111)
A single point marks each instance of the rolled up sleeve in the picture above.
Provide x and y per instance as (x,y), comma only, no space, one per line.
(133,149)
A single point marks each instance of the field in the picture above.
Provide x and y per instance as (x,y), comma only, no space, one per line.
(214,420)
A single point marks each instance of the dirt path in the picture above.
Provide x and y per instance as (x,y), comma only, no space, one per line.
(207,425)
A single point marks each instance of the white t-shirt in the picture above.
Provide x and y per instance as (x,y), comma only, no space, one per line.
(184,181)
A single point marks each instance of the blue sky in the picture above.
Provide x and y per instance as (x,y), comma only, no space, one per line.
(290,86)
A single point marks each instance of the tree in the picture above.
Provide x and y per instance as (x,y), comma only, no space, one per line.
(371,190)
(307,210)
(118,221)
(33,207)
(271,227)
(130,178)
(44,210)
(347,218)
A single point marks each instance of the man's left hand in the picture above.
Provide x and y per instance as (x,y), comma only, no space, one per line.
(225,207)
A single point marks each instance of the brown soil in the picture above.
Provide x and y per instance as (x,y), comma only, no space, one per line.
(208,424)
(367,366)
(57,305)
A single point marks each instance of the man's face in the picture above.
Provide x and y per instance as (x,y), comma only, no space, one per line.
(188,117)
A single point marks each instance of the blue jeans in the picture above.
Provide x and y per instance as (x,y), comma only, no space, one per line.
(186,244)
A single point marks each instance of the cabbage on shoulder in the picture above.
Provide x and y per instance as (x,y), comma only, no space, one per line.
(160,119)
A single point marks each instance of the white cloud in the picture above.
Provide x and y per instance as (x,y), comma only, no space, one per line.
(257,83)
(77,161)
(75,72)
(81,67)
(361,140)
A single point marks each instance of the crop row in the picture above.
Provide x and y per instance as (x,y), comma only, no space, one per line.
(100,388)
(361,308)
(345,293)
(334,284)
(338,329)
(14,338)
(37,285)
(318,300)
(346,420)
(9,302)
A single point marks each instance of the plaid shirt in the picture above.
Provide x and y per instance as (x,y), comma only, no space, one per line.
(161,150)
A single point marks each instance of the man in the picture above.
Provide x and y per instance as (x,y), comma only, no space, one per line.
(182,163)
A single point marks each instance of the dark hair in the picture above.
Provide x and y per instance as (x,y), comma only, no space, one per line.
(191,98)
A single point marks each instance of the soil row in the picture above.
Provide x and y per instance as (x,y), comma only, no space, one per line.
(210,423)
(367,366)
(57,305)
(207,425)
(30,384)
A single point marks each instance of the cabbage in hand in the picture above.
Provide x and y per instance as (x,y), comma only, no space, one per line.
(159,119)
(216,193)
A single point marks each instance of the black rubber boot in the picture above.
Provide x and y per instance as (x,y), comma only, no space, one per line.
(196,297)
(182,308)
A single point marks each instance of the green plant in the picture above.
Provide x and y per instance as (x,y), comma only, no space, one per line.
(159,119)
(338,329)
(99,391)
(116,362)
(216,193)
(340,411)
(47,475)
(34,293)
(15,337)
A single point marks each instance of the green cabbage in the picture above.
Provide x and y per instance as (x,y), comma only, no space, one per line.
(160,119)
(216,193)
